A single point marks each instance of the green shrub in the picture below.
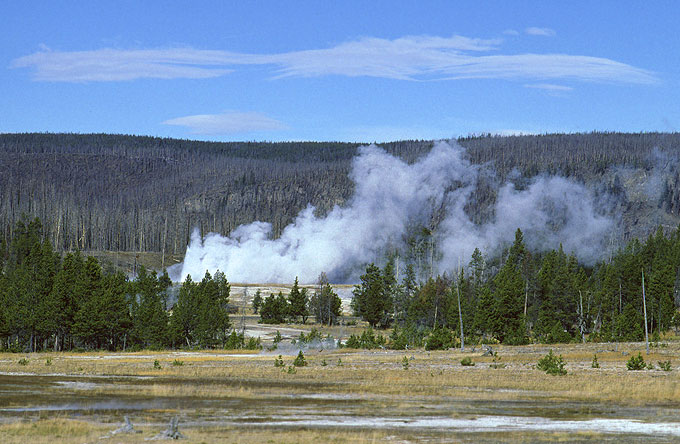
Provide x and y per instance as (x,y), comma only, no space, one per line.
(665,365)
(440,339)
(235,341)
(405,338)
(313,335)
(496,363)
(300,360)
(278,362)
(278,337)
(466,362)
(177,363)
(636,363)
(595,364)
(156,365)
(291,370)
(556,334)
(404,363)
(324,363)
(23,361)
(552,364)
(254,344)
(367,340)
(48,362)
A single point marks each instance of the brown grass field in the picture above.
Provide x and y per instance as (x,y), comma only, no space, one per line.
(225,396)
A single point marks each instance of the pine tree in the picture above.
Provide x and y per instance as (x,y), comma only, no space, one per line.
(184,319)
(297,301)
(507,320)
(325,305)
(150,318)
(257,301)
(370,299)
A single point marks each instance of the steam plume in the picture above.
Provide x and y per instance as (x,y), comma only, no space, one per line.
(391,195)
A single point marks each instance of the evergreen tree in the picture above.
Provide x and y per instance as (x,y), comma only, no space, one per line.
(325,305)
(150,318)
(507,321)
(297,302)
(274,309)
(213,316)
(404,294)
(370,298)
(89,323)
(184,319)
(115,311)
(257,301)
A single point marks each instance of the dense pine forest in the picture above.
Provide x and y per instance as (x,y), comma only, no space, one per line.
(99,192)
(64,193)
(54,302)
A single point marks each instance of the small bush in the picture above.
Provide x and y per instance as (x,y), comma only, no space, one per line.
(177,363)
(254,344)
(636,363)
(278,362)
(156,365)
(235,341)
(313,335)
(48,362)
(405,338)
(278,337)
(291,370)
(324,363)
(496,361)
(404,363)
(665,365)
(300,360)
(440,339)
(551,364)
(466,362)
(23,361)
(595,364)
(367,340)
(339,364)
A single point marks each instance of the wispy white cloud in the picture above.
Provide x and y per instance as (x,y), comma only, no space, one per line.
(512,132)
(227,123)
(545,32)
(511,32)
(106,65)
(407,58)
(549,87)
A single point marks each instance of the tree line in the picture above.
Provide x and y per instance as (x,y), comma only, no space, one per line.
(324,304)
(524,296)
(103,192)
(64,303)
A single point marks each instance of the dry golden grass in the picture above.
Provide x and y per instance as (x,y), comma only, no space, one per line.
(377,376)
(69,431)
(219,374)
(50,431)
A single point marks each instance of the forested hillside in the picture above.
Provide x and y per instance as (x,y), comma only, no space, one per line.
(129,193)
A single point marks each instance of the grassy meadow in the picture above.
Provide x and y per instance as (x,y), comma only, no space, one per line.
(241,396)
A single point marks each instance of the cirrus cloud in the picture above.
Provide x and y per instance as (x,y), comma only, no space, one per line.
(415,58)
(545,32)
(227,123)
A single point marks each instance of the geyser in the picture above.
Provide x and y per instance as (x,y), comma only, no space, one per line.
(390,196)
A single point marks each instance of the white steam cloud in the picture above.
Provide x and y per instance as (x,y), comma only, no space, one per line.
(390,196)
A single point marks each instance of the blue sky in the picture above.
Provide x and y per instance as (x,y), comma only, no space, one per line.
(348,70)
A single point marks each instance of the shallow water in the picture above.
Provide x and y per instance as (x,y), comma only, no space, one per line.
(101,399)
